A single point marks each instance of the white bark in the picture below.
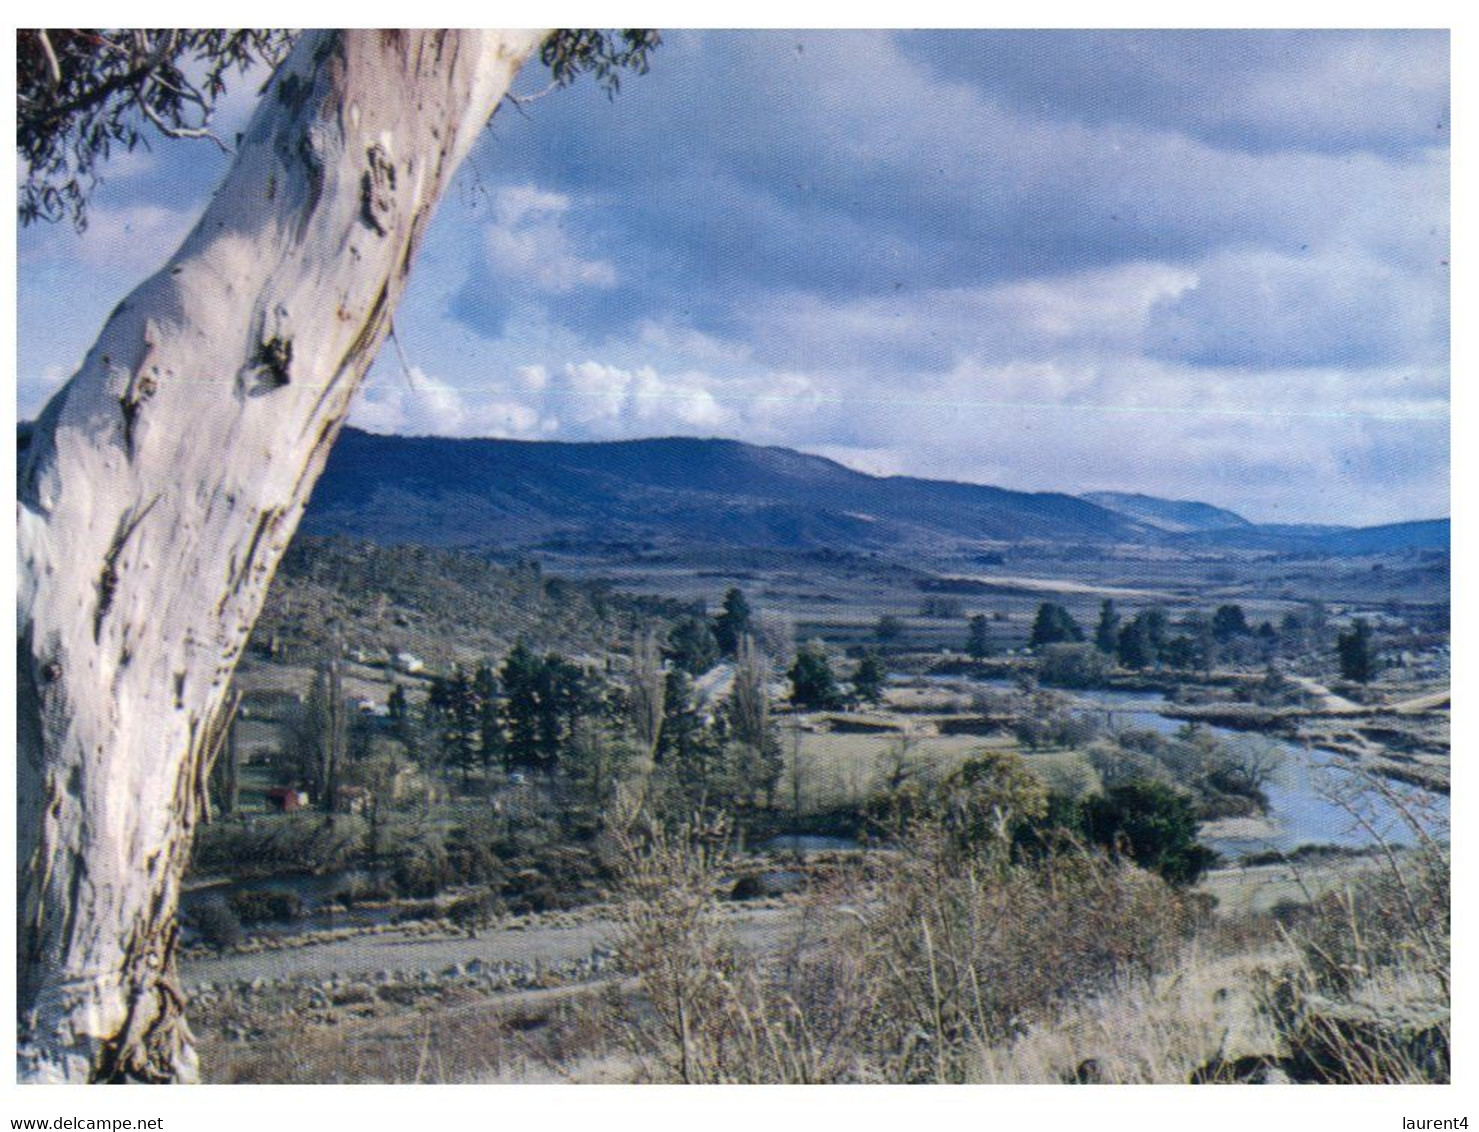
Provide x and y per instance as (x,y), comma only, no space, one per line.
(161,486)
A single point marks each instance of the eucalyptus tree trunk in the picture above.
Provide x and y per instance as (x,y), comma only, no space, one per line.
(162,485)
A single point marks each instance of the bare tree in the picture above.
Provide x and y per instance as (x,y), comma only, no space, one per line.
(1245,764)
(327,731)
(646,703)
(645,692)
(748,708)
(798,772)
(898,767)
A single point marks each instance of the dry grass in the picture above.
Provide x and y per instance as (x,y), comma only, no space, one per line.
(556,1035)
(704,1011)
(1147,1030)
(901,973)
(966,955)
(1242,890)
(1367,999)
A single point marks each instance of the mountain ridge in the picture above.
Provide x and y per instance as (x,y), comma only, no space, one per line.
(525,494)
(484,493)
(468,492)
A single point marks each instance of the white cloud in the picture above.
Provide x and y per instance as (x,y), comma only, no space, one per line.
(1289,444)
(593,400)
(1369,445)
(587,400)
(415,405)
(667,337)
(1355,86)
(1080,277)
(528,243)
(531,379)
(428,406)
(1259,307)
(872,461)
(1088,311)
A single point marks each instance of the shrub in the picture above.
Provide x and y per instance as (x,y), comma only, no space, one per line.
(984,801)
(1367,1000)
(433,860)
(1046,722)
(1072,666)
(889,629)
(216,924)
(470,857)
(889,814)
(551,879)
(1244,766)
(280,842)
(422,910)
(259,905)
(1154,825)
(692,982)
(421,873)
(474,911)
(1118,764)
(748,887)
(365,892)
(1070,775)
(957,956)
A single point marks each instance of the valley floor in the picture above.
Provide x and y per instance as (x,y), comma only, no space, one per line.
(559,995)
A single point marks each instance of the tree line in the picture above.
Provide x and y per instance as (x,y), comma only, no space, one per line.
(1199,640)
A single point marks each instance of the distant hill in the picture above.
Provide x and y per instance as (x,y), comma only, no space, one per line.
(631,496)
(520,494)
(1423,534)
(1175,516)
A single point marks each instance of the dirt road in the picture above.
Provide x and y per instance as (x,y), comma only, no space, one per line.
(1327,700)
(405,953)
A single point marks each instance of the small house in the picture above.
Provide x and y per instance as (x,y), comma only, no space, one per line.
(354,799)
(368,707)
(286,799)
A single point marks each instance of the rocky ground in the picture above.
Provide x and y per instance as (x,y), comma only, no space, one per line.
(372,1004)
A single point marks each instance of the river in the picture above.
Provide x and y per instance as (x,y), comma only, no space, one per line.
(1315,798)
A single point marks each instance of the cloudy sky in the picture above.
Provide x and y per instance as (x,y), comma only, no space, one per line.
(1206,265)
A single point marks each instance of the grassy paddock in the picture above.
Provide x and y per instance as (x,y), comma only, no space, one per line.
(839,769)
(845,770)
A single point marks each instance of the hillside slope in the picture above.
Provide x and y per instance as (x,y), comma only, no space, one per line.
(512,494)
(441,605)
(1175,516)
(1340,542)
